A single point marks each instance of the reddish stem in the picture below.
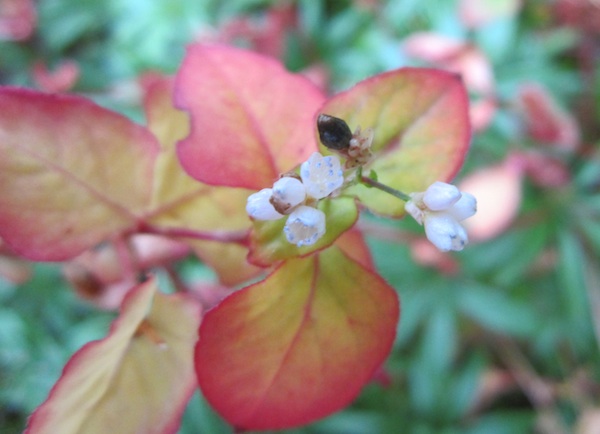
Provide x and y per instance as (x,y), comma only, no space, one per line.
(127,258)
(176,280)
(239,237)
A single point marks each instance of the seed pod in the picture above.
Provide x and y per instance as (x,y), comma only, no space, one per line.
(334,132)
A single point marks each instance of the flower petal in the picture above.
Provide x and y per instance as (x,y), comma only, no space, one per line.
(259,206)
(465,207)
(440,196)
(321,175)
(305,226)
(289,191)
(445,232)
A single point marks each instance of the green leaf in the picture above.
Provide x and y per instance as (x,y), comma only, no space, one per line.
(570,274)
(503,422)
(497,311)
(440,339)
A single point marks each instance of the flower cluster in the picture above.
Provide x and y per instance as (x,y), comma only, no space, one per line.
(297,198)
(440,208)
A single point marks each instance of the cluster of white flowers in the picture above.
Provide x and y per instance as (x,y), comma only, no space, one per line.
(297,198)
(440,208)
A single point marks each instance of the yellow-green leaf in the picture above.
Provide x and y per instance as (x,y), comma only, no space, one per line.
(421,123)
(136,380)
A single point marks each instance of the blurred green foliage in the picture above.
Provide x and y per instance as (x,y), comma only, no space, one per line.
(42,323)
(523,307)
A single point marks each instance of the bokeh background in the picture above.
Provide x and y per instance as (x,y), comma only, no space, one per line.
(500,338)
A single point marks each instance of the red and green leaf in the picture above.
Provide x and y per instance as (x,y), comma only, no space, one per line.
(298,345)
(137,379)
(421,123)
(353,244)
(180,201)
(71,173)
(250,118)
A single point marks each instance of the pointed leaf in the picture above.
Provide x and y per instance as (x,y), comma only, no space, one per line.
(421,123)
(251,119)
(268,244)
(298,345)
(137,379)
(71,173)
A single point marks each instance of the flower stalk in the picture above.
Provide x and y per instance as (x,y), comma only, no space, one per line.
(378,185)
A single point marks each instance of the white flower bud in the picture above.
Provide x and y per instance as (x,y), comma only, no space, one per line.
(258,206)
(440,196)
(445,232)
(305,226)
(288,192)
(440,209)
(465,207)
(321,175)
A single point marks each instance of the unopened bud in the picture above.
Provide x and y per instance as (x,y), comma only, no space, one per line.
(334,132)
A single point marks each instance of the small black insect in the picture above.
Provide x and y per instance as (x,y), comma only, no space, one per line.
(334,132)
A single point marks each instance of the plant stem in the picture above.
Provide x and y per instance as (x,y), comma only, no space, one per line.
(239,237)
(376,184)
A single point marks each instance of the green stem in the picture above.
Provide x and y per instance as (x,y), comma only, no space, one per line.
(376,184)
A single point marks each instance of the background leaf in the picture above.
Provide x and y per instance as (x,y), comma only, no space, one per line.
(138,378)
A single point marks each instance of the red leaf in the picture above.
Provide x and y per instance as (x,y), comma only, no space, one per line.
(251,119)
(353,244)
(71,173)
(298,345)
(62,78)
(545,120)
